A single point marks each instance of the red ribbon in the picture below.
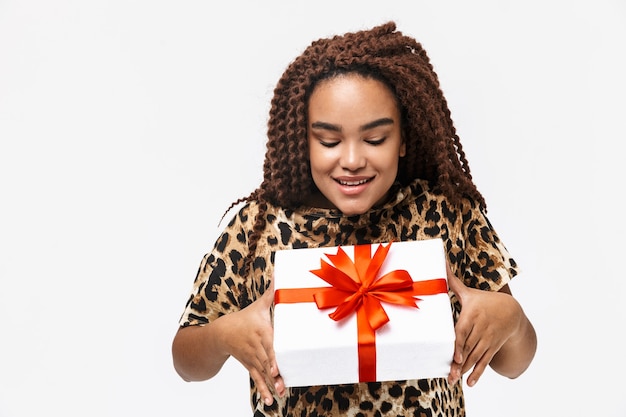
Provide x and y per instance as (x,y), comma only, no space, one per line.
(355,287)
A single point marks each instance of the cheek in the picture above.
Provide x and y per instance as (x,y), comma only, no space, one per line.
(320,160)
(315,168)
(388,162)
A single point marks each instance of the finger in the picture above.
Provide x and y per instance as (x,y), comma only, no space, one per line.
(268,295)
(472,357)
(456,285)
(273,371)
(270,289)
(465,354)
(262,387)
(455,373)
(266,357)
(463,344)
(478,370)
(263,362)
(260,371)
(279,386)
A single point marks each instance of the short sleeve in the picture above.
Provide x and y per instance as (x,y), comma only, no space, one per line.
(486,263)
(219,288)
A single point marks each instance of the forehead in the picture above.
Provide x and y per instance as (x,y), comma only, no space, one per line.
(345,93)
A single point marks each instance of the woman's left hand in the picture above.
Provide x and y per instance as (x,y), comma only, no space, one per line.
(487,321)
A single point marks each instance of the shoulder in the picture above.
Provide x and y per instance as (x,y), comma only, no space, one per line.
(433,205)
(474,248)
(245,217)
(244,214)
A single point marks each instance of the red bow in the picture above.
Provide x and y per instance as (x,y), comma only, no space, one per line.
(355,287)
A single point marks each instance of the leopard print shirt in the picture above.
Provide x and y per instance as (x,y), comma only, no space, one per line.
(415,212)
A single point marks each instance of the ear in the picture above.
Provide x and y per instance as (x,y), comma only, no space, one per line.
(403,148)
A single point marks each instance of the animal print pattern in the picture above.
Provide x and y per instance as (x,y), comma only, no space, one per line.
(474,251)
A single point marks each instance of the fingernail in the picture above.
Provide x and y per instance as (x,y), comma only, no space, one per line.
(269,400)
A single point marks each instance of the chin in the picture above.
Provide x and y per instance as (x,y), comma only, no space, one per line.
(352,211)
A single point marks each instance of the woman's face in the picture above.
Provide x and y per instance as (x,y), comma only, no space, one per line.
(355,142)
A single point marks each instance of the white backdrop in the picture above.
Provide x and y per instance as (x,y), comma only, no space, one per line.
(127,128)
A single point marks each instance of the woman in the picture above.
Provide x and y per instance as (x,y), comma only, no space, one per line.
(361,149)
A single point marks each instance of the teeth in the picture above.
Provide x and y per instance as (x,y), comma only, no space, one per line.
(352,182)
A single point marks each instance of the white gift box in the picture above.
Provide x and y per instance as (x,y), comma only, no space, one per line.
(313,349)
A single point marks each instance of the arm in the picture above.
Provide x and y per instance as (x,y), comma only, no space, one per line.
(197,351)
(493,330)
(517,353)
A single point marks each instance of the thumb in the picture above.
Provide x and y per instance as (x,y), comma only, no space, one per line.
(268,295)
(455,284)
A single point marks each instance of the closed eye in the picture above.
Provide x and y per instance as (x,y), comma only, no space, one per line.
(376,142)
(327,144)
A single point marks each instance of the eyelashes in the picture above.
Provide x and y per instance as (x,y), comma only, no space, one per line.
(329,144)
(373,142)
(376,142)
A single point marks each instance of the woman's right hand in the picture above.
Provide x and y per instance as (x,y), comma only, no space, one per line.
(200,351)
(248,336)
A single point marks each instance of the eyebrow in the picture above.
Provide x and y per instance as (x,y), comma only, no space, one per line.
(337,128)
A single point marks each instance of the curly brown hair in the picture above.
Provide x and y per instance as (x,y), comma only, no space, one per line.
(433,149)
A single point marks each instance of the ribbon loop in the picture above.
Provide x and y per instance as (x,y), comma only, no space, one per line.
(355,285)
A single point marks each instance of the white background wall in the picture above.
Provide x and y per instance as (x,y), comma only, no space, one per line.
(127,127)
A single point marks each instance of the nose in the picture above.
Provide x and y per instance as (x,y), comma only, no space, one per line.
(353,157)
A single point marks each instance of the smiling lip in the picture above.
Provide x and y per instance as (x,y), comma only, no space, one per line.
(352,181)
(353,185)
